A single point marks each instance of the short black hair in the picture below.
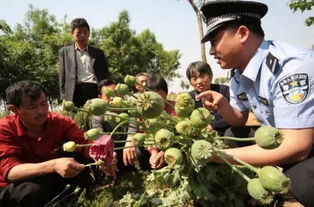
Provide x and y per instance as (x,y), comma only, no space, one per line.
(105,82)
(16,90)
(198,66)
(156,82)
(255,28)
(78,23)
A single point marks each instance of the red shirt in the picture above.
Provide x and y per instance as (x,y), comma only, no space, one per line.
(16,147)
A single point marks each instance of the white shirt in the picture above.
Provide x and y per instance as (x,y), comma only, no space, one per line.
(84,62)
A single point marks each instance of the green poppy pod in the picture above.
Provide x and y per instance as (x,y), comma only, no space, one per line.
(68,106)
(267,137)
(98,106)
(69,146)
(201,151)
(93,134)
(201,117)
(122,89)
(273,179)
(173,156)
(130,80)
(164,138)
(258,192)
(150,104)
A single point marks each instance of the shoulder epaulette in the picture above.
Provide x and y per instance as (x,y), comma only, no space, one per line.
(272,63)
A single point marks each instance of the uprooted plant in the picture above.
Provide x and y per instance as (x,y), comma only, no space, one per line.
(189,176)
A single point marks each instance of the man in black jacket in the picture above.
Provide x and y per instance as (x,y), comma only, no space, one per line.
(200,76)
(81,66)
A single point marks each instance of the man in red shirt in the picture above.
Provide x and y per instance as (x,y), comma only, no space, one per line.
(32,169)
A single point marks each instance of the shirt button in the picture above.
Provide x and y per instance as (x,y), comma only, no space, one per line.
(254,106)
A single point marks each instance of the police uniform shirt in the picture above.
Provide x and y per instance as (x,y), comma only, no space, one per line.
(277,85)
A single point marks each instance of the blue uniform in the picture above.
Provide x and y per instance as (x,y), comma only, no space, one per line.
(277,85)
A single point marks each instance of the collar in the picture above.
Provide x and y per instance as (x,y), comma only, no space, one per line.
(252,69)
(19,126)
(21,129)
(77,48)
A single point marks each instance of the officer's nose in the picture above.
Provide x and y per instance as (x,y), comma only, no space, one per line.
(212,50)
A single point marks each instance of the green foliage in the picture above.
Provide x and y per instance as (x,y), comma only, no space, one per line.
(221,80)
(303,5)
(185,85)
(129,53)
(30,51)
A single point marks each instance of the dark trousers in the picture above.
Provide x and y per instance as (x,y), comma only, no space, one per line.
(84,92)
(302,179)
(39,191)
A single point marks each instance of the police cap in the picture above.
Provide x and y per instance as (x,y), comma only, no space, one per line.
(220,13)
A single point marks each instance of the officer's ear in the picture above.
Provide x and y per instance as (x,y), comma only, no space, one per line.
(243,33)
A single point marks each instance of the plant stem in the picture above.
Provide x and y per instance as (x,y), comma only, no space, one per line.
(120,124)
(251,167)
(119,148)
(78,109)
(120,109)
(122,141)
(168,116)
(103,133)
(83,145)
(236,169)
(77,190)
(67,187)
(236,138)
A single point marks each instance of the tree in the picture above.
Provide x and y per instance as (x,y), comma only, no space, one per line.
(303,5)
(221,80)
(185,85)
(30,51)
(129,53)
(200,18)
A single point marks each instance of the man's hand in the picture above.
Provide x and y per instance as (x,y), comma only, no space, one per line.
(209,128)
(129,154)
(212,100)
(67,167)
(156,159)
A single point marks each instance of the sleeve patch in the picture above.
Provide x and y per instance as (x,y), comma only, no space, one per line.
(295,88)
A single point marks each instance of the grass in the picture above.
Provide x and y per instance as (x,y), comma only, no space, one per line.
(107,195)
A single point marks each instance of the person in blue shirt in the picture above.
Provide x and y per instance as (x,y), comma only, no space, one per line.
(200,76)
(273,79)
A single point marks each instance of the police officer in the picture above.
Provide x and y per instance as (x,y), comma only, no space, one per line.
(274,80)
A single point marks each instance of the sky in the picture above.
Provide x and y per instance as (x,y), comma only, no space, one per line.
(172,21)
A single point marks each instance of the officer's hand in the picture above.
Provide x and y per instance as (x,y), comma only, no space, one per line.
(67,167)
(212,100)
(129,154)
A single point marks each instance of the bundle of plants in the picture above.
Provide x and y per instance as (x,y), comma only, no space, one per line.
(190,177)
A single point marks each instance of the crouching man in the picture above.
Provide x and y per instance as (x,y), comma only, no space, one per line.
(33,168)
